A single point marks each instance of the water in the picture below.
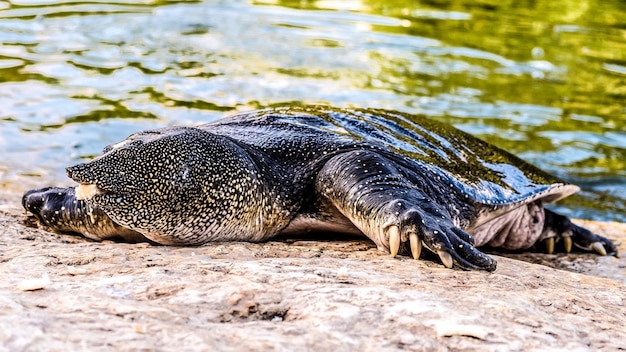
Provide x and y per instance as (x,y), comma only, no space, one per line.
(545,80)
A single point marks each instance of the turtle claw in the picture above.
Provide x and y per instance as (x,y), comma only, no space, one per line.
(394,240)
(599,248)
(559,227)
(416,245)
(549,243)
(446,258)
(405,233)
(567,243)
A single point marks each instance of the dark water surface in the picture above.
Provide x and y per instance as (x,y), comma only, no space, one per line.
(543,79)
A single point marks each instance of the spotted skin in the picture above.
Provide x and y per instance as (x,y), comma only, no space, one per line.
(404,181)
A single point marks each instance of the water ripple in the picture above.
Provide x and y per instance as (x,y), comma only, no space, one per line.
(545,84)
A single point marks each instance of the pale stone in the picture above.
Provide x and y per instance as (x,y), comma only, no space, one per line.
(299,295)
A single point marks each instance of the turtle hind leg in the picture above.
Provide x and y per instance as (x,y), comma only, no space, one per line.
(559,229)
(373,194)
(59,210)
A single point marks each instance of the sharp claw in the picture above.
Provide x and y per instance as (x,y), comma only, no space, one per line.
(394,240)
(567,243)
(599,248)
(446,258)
(416,245)
(549,243)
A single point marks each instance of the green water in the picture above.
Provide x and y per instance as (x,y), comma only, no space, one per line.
(545,80)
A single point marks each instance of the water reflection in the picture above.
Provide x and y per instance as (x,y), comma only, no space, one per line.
(542,79)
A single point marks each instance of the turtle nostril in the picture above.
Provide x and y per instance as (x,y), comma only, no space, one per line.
(74,171)
(69,171)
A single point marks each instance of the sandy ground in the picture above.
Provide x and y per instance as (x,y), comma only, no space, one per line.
(296,294)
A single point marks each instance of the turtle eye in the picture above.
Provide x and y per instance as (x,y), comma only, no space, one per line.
(125,153)
(131,142)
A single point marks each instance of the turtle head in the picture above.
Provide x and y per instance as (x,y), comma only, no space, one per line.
(155,179)
(130,166)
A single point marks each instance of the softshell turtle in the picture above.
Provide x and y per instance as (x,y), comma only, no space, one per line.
(403,181)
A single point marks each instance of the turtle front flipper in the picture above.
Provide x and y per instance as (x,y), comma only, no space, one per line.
(58,209)
(559,229)
(369,190)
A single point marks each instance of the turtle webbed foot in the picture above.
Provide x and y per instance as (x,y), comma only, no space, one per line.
(59,210)
(393,212)
(559,229)
(45,203)
(409,230)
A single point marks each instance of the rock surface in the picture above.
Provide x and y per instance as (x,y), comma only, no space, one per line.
(61,292)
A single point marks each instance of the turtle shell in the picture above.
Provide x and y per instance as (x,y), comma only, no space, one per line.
(494,180)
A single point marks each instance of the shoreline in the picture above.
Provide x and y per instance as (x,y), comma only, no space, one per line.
(340,295)
(13,215)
